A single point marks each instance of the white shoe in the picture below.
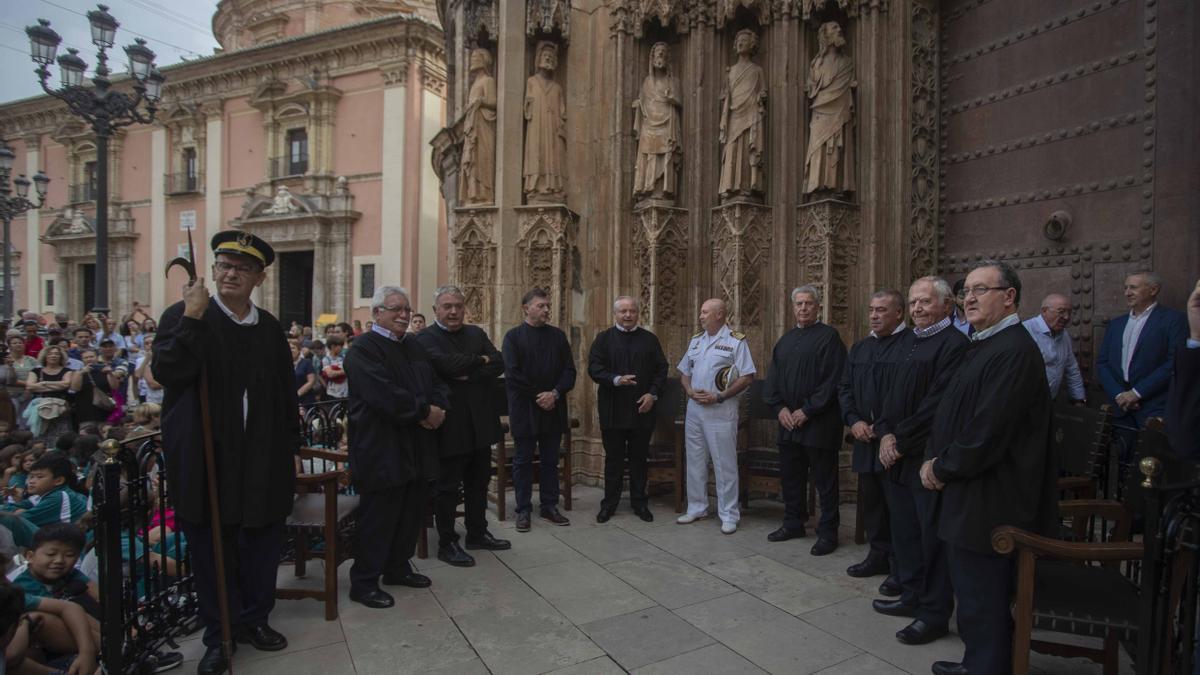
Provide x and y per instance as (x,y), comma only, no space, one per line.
(689,518)
(728,528)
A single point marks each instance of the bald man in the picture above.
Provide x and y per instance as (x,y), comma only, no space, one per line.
(715,369)
(1049,331)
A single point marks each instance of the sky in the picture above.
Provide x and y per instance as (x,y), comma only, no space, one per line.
(175,29)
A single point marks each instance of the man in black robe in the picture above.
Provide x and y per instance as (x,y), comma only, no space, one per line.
(989,454)
(930,353)
(628,364)
(538,373)
(255,432)
(801,389)
(395,407)
(867,377)
(1183,397)
(465,359)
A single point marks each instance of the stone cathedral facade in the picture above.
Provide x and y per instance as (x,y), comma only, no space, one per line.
(676,150)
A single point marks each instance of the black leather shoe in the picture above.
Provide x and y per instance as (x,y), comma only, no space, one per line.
(523,522)
(374,598)
(873,566)
(487,542)
(263,638)
(894,608)
(644,513)
(785,533)
(605,513)
(948,668)
(161,661)
(890,588)
(452,554)
(410,579)
(213,662)
(920,633)
(824,547)
(552,515)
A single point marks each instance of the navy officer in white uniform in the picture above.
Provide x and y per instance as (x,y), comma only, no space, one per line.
(715,369)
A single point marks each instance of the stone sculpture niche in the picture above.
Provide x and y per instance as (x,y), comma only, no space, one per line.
(477,175)
(829,161)
(545,131)
(656,121)
(743,123)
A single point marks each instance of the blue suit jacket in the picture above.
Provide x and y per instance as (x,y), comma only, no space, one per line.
(1153,359)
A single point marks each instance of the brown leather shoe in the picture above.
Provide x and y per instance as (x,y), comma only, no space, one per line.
(552,515)
(523,522)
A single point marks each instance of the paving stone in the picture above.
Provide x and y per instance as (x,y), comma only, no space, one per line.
(600,666)
(645,637)
(584,591)
(325,660)
(700,543)
(767,636)
(789,589)
(863,664)
(669,581)
(714,659)
(855,622)
(416,636)
(525,635)
(604,545)
(537,547)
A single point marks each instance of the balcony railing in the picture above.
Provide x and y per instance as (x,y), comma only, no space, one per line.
(81,193)
(183,183)
(289,165)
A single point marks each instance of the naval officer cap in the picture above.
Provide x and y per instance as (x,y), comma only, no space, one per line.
(243,243)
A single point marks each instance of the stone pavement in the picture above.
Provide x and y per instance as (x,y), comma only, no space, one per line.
(627,596)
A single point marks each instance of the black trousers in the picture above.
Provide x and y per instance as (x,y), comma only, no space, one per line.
(251,563)
(547,447)
(621,446)
(388,522)
(795,461)
(876,520)
(472,472)
(920,556)
(983,585)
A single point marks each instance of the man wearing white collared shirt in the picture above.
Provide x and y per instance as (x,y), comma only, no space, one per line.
(1049,332)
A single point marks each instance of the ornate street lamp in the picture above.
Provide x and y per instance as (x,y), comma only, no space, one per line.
(105,109)
(11,207)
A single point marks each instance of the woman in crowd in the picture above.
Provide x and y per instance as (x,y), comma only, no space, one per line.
(19,365)
(95,376)
(132,332)
(148,389)
(48,414)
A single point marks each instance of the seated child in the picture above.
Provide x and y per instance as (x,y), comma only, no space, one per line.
(52,482)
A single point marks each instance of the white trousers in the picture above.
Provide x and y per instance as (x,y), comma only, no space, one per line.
(712,436)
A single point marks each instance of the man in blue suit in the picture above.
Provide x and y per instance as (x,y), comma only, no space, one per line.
(1136,359)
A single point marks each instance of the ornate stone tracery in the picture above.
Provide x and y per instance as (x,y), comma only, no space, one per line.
(827,241)
(474,263)
(660,248)
(548,17)
(922,235)
(741,258)
(546,237)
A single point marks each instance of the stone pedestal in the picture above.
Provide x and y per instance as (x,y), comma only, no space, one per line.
(473,264)
(827,241)
(660,253)
(740,233)
(546,255)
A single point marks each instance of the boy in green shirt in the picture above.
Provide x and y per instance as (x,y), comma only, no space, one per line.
(51,499)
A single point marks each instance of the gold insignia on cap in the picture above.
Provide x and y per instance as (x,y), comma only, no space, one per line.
(244,239)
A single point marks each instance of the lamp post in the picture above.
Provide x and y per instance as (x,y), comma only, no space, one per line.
(11,207)
(104,108)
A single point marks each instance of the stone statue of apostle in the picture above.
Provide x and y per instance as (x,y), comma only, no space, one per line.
(656,118)
(743,122)
(477,182)
(545,131)
(829,162)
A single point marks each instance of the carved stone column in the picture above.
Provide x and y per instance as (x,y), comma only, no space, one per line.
(473,267)
(546,242)
(660,254)
(741,234)
(827,242)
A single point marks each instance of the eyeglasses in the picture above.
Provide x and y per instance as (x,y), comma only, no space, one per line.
(977,291)
(242,270)
(402,309)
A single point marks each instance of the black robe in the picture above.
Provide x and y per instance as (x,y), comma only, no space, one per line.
(1183,404)
(616,352)
(536,360)
(925,368)
(473,421)
(255,457)
(806,365)
(392,386)
(867,377)
(991,440)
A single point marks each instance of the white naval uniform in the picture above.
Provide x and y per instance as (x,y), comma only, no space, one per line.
(711,430)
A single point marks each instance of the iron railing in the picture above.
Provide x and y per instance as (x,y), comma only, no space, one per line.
(81,193)
(183,183)
(289,165)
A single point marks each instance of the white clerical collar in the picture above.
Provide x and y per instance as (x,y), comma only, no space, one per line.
(1145,312)
(986,333)
(251,316)
(385,332)
(808,326)
(899,329)
(624,330)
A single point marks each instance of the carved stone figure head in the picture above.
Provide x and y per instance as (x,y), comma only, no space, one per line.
(546,56)
(481,60)
(830,34)
(745,42)
(660,56)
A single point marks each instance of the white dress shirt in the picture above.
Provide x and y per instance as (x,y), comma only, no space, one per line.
(1059,357)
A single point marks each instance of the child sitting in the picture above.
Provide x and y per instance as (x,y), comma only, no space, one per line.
(52,482)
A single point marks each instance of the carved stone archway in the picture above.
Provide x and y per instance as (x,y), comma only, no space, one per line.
(73,236)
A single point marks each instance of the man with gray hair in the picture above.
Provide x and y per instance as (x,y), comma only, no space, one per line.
(1049,331)
(628,364)
(465,358)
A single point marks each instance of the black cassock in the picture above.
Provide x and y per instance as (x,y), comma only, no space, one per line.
(537,360)
(990,439)
(472,424)
(392,386)
(256,434)
(626,432)
(1183,403)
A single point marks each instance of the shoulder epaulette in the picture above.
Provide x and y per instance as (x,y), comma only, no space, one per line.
(737,334)
(697,335)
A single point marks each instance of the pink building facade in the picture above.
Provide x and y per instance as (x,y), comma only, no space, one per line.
(311,129)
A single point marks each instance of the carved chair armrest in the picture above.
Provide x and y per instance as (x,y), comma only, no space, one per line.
(1008,540)
(325,479)
(1106,509)
(323,453)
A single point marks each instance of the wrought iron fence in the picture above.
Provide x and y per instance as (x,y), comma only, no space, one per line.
(81,193)
(289,165)
(183,183)
(324,425)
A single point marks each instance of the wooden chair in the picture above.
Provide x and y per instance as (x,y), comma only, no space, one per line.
(319,511)
(666,462)
(502,458)
(1078,587)
(1080,440)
